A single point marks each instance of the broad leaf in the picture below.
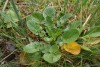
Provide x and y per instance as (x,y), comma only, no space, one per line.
(74,24)
(32,47)
(93,32)
(33,25)
(51,58)
(54,48)
(45,48)
(92,41)
(49,21)
(10,16)
(72,47)
(65,17)
(70,35)
(85,48)
(38,15)
(49,11)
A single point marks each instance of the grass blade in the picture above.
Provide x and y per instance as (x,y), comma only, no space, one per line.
(15,9)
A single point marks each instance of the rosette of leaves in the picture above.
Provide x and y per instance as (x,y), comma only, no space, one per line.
(45,26)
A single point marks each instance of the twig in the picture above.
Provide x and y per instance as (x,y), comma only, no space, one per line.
(7,56)
(87,20)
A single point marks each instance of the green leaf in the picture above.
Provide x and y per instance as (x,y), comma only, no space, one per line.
(48,39)
(86,48)
(48,21)
(56,33)
(10,16)
(51,58)
(52,54)
(93,32)
(49,31)
(49,11)
(53,33)
(64,18)
(38,15)
(45,48)
(32,47)
(42,33)
(70,35)
(74,24)
(33,25)
(53,48)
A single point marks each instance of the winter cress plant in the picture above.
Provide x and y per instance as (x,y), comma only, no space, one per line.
(56,35)
(60,32)
(51,34)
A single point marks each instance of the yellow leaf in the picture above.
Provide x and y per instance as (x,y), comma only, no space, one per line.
(92,41)
(72,47)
